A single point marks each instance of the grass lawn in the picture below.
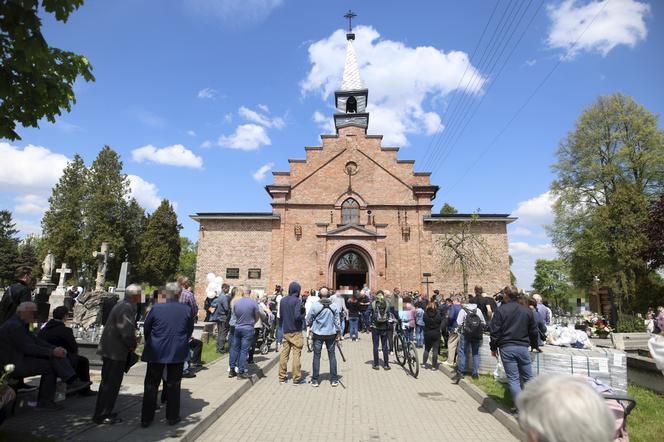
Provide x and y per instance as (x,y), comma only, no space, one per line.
(209,351)
(644,424)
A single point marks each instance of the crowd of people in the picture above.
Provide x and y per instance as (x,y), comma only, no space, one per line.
(515,323)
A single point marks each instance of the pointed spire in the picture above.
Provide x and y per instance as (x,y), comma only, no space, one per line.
(351,80)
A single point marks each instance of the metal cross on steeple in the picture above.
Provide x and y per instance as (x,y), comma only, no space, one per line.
(350,15)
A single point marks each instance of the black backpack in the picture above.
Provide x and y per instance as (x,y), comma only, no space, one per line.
(472,325)
(380,317)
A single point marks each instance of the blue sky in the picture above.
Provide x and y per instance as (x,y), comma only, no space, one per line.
(204,98)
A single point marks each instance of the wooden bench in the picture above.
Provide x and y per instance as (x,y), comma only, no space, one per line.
(630,341)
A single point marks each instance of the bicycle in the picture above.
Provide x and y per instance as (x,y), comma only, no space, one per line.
(405,351)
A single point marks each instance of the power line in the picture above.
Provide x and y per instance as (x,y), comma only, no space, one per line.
(491,56)
(439,130)
(530,97)
(500,70)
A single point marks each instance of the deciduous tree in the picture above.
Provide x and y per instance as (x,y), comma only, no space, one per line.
(36,80)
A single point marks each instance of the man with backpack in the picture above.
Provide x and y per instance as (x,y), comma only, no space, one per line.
(325,325)
(471,329)
(16,293)
(380,317)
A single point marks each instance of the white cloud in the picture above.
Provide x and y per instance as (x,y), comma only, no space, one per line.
(539,250)
(144,192)
(531,63)
(524,256)
(246,137)
(261,118)
(520,231)
(228,117)
(176,155)
(616,22)
(206,144)
(31,169)
(30,203)
(207,93)
(325,122)
(148,118)
(401,80)
(191,133)
(259,175)
(27,227)
(536,211)
(236,12)
(66,127)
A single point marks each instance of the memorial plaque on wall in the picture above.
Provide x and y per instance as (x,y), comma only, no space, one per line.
(232,273)
(254,274)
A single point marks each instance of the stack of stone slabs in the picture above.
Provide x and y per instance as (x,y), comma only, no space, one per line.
(607,365)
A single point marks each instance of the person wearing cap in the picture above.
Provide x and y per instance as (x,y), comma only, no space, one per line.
(292,317)
(117,340)
(56,333)
(323,320)
(32,356)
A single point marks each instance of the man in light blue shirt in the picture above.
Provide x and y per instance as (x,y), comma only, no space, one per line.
(323,319)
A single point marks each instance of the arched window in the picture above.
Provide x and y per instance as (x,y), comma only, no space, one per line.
(351,105)
(350,212)
(351,262)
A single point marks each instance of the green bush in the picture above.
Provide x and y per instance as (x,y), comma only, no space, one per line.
(630,324)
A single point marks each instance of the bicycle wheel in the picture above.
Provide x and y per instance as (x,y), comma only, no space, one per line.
(265,348)
(413,360)
(399,351)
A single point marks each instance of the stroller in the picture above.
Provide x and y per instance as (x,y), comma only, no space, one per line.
(620,404)
(265,336)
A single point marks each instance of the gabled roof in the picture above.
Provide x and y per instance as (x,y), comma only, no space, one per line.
(351,230)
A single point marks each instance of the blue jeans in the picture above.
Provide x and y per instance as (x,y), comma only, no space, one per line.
(354,322)
(366,320)
(466,345)
(343,325)
(419,335)
(240,349)
(280,332)
(330,344)
(517,364)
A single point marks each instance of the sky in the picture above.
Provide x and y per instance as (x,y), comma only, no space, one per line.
(203,99)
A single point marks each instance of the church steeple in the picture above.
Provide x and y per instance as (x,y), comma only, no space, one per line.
(351,99)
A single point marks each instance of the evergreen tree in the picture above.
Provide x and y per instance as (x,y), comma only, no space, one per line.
(63,222)
(104,207)
(8,247)
(27,253)
(448,209)
(187,262)
(160,246)
(134,224)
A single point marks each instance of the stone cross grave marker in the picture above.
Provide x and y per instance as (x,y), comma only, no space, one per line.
(63,271)
(103,255)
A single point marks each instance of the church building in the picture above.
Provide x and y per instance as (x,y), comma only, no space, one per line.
(351,213)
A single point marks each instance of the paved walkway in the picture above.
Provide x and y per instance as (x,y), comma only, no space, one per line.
(369,405)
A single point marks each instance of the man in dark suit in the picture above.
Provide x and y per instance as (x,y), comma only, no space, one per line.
(55,332)
(16,293)
(31,356)
(167,330)
(117,341)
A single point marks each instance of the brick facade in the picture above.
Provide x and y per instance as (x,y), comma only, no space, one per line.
(304,235)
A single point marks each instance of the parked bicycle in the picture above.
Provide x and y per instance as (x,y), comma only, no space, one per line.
(405,351)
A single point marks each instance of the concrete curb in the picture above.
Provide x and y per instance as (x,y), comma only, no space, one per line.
(211,418)
(502,416)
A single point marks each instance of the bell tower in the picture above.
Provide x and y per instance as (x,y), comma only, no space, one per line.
(351,99)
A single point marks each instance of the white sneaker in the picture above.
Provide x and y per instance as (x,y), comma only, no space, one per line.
(334,384)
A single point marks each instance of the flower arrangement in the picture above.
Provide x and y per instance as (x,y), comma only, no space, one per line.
(596,325)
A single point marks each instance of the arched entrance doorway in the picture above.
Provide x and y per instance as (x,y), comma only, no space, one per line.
(350,270)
